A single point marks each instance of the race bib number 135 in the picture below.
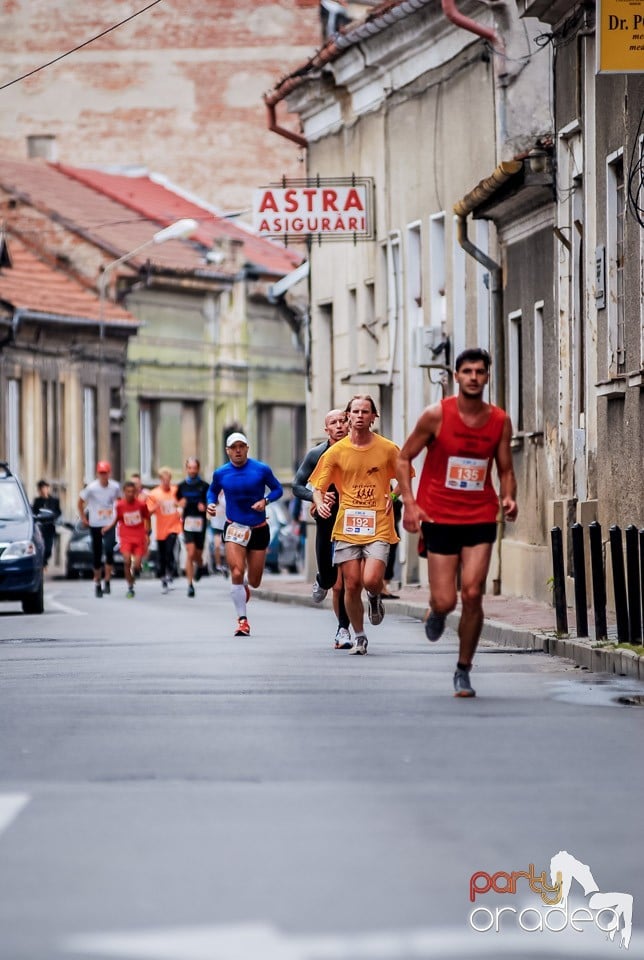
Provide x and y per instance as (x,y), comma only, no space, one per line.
(465,474)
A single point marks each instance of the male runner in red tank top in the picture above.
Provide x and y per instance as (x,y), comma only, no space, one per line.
(456,505)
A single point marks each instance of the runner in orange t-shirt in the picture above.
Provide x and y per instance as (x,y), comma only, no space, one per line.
(456,504)
(162,504)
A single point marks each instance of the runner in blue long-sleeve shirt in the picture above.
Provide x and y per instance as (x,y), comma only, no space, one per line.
(246,532)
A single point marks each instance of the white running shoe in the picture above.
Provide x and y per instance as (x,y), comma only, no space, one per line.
(343,639)
(360,646)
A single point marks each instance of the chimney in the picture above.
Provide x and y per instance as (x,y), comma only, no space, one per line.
(42,145)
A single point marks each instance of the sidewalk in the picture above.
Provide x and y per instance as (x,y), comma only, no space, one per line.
(509,621)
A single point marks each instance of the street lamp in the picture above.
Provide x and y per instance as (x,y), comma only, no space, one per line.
(178,230)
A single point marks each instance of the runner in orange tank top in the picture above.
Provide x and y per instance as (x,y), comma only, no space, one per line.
(456,505)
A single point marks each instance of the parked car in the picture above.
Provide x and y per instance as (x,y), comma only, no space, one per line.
(78,557)
(22,550)
(284,547)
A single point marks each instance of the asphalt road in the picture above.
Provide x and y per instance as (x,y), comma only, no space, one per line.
(169,792)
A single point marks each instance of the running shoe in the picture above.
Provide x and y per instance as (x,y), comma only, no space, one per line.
(199,573)
(317,592)
(130,593)
(462,685)
(343,639)
(191,591)
(375,610)
(360,646)
(106,588)
(434,626)
(98,591)
(164,586)
(243,627)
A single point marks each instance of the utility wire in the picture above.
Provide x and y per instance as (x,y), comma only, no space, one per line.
(80,46)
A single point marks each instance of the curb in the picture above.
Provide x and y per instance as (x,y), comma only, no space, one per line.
(581,652)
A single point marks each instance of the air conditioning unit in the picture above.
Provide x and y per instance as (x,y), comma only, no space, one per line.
(425,341)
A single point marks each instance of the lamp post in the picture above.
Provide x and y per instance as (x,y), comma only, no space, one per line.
(178,230)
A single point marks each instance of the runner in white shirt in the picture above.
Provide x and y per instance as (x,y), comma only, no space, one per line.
(96,509)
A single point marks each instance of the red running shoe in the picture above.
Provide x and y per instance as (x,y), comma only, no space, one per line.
(243,627)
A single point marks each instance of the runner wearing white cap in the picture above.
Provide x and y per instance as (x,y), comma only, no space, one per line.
(246,532)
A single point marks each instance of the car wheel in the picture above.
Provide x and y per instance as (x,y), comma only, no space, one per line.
(34,602)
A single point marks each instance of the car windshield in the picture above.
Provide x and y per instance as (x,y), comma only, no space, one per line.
(12,506)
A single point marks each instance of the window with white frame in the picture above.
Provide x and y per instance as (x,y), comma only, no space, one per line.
(538,366)
(12,424)
(368,338)
(615,212)
(483,299)
(89,432)
(414,276)
(458,295)
(352,320)
(515,371)
(394,290)
(437,279)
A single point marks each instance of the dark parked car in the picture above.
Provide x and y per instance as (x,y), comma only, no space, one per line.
(78,558)
(284,547)
(21,545)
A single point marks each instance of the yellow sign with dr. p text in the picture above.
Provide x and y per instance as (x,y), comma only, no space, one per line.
(620,36)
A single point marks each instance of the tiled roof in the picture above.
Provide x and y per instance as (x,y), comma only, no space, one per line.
(104,222)
(159,202)
(29,284)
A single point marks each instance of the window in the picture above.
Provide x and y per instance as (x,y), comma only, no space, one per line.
(483,299)
(538,368)
(394,291)
(458,296)
(89,432)
(52,419)
(146,440)
(12,424)
(414,276)
(352,320)
(323,356)
(615,209)
(368,339)
(281,431)
(437,280)
(515,378)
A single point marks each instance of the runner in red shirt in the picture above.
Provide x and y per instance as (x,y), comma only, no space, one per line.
(456,504)
(133,518)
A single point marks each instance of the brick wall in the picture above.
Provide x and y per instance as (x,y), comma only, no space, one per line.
(177,90)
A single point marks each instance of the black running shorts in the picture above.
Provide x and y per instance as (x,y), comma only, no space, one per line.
(259,539)
(449,539)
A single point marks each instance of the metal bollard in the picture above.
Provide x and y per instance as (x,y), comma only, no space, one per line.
(633,580)
(559,580)
(619,583)
(579,570)
(599,580)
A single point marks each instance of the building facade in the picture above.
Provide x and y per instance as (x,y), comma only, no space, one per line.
(439,116)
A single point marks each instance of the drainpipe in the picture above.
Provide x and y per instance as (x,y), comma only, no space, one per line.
(271,100)
(483,191)
(459,19)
